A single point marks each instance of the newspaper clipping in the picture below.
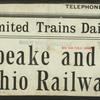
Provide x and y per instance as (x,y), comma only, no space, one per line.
(50,49)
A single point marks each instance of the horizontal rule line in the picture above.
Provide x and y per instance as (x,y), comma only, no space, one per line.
(48,37)
(48,1)
(80,16)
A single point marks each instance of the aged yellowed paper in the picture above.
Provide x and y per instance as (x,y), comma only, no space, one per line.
(50,49)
